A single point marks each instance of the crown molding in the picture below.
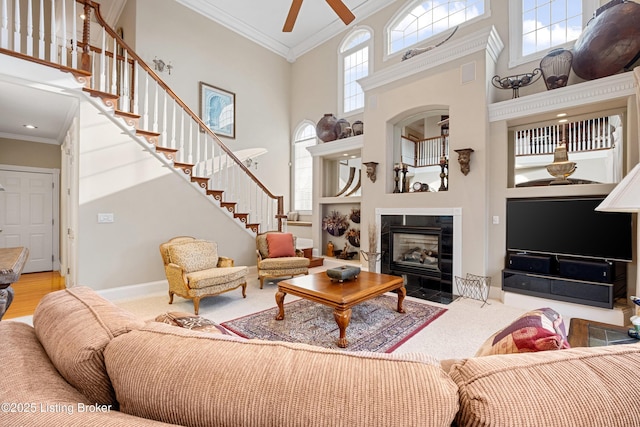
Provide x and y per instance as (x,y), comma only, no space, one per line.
(484,40)
(589,92)
(223,18)
(291,53)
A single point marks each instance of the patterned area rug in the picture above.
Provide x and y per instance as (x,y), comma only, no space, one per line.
(375,325)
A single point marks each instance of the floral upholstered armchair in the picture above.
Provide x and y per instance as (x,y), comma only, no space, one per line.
(278,256)
(195,270)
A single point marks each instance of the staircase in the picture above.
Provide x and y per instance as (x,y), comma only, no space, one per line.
(119,83)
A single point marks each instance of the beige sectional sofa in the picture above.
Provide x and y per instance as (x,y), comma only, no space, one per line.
(86,362)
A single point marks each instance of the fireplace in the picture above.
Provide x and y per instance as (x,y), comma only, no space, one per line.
(419,248)
(415,250)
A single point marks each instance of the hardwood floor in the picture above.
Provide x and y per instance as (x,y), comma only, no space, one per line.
(30,289)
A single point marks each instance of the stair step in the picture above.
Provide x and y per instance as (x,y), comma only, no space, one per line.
(129,118)
(169,153)
(186,167)
(253,227)
(243,217)
(201,181)
(151,137)
(108,99)
(217,194)
(230,206)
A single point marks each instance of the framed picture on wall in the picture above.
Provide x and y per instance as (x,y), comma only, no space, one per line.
(218,110)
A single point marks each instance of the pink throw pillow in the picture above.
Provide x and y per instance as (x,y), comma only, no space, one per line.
(280,245)
(538,330)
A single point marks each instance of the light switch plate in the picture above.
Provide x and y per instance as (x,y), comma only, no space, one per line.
(105,218)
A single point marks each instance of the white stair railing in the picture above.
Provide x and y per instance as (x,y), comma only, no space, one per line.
(424,152)
(579,136)
(126,83)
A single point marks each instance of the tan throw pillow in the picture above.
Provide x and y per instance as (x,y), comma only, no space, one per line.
(192,256)
(537,330)
(74,326)
(191,321)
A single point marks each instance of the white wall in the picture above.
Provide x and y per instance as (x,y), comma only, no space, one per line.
(202,50)
(150,204)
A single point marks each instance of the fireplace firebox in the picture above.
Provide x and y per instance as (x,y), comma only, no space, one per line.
(415,250)
(419,248)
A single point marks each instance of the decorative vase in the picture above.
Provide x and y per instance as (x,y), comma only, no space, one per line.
(343,128)
(372,258)
(358,127)
(556,67)
(326,128)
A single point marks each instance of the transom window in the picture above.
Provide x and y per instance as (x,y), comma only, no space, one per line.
(302,174)
(421,20)
(355,64)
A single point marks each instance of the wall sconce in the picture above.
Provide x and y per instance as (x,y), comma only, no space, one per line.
(464,157)
(371,170)
(160,65)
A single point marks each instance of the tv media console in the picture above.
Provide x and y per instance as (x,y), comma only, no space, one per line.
(596,283)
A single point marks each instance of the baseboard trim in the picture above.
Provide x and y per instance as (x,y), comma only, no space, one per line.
(134,291)
(144,289)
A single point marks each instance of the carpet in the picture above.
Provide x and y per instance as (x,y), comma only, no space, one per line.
(375,324)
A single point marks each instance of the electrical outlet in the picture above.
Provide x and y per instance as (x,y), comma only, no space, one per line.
(105,218)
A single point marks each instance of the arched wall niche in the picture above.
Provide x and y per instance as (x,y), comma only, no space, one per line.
(420,141)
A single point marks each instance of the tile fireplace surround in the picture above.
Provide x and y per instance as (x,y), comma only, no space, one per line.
(436,286)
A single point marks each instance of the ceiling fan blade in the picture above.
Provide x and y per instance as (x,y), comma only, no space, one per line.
(342,10)
(292,16)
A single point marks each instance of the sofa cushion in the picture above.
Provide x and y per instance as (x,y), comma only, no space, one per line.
(191,321)
(74,326)
(215,276)
(195,255)
(590,386)
(280,245)
(283,263)
(213,380)
(536,330)
(39,396)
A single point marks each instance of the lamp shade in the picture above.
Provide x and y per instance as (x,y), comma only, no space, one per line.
(625,197)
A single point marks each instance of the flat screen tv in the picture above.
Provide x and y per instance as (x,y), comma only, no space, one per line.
(568,226)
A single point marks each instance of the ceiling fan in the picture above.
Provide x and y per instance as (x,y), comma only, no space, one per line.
(337,5)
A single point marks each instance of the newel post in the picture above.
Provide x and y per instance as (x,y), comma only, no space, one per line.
(280,215)
(85,61)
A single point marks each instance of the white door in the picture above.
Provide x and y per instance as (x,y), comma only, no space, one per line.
(26,216)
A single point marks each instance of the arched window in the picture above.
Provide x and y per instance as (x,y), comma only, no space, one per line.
(302,176)
(537,27)
(420,20)
(354,64)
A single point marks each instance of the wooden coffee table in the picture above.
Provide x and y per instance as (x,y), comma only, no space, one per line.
(340,295)
(589,333)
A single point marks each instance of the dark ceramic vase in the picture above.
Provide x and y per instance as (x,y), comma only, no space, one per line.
(358,127)
(343,128)
(326,128)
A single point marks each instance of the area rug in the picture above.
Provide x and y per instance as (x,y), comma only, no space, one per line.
(375,324)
